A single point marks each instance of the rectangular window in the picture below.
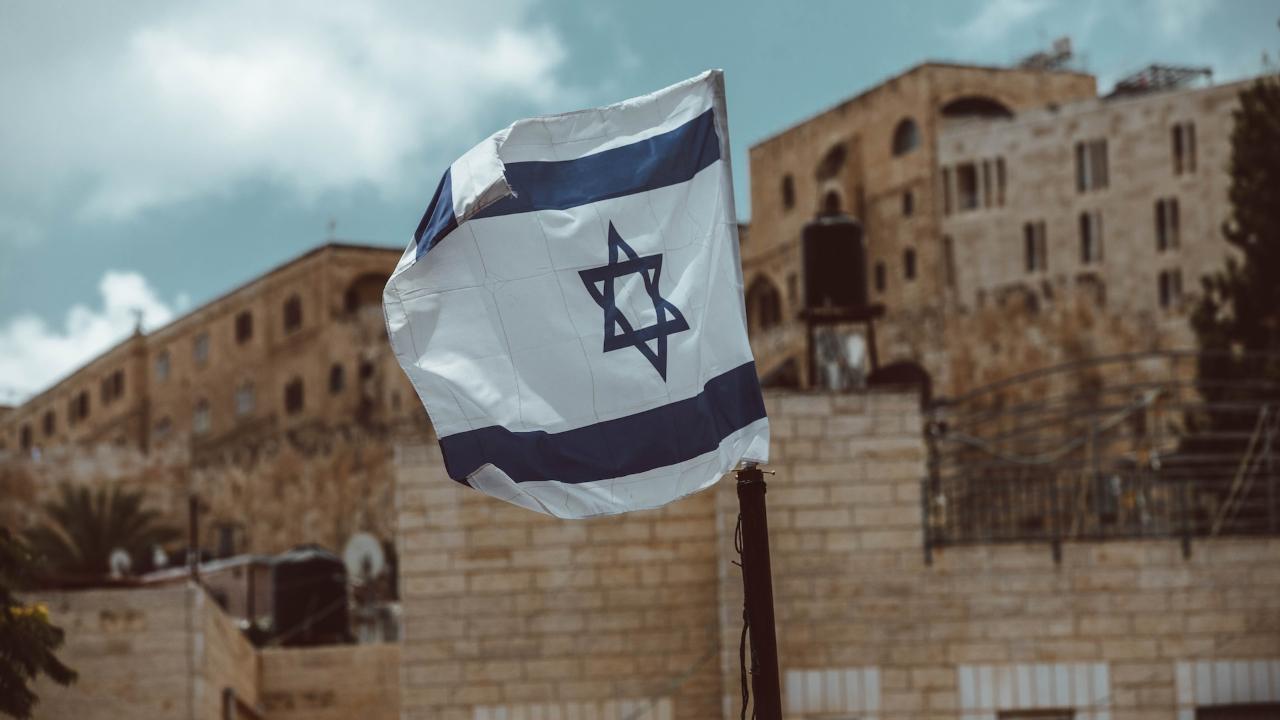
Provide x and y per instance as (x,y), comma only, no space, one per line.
(162,366)
(244,399)
(967,186)
(244,327)
(1035,246)
(946,191)
(1000,181)
(1167,222)
(293,399)
(1184,148)
(292,314)
(200,350)
(1091,165)
(987,196)
(1170,288)
(1090,237)
(949,260)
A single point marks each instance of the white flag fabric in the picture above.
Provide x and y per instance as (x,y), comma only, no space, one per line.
(570,310)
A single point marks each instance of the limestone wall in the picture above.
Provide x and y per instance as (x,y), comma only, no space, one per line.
(510,614)
(331,683)
(146,653)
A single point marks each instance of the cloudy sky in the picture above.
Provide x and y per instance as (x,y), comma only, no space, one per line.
(154,154)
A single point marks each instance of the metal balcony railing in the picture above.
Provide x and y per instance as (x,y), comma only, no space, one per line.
(1118,447)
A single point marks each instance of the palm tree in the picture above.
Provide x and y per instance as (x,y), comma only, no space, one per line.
(85,528)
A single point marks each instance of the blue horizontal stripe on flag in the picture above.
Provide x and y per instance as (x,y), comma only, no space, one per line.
(655,438)
(438,220)
(667,159)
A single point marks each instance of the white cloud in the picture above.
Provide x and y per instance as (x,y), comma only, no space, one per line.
(34,355)
(160,103)
(995,21)
(1176,18)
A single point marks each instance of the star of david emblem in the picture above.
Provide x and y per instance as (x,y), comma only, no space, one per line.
(618,333)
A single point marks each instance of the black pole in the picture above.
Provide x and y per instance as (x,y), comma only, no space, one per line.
(757,585)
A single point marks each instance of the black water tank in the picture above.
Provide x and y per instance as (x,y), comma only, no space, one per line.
(310,597)
(835,265)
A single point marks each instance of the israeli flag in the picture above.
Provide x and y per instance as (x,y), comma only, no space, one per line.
(570,310)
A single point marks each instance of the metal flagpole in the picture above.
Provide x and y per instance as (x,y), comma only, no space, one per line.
(757,585)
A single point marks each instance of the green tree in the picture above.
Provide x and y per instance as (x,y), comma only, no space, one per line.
(85,527)
(27,638)
(1237,315)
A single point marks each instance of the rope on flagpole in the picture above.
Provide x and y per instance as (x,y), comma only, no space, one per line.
(746,625)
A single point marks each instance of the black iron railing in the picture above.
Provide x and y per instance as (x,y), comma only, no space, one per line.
(1119,447)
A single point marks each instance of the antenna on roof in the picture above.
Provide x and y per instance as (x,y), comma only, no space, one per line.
(137,321)
(1057,57)
(331,227)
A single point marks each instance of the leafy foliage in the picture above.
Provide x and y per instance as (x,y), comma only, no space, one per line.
(1237,316)
(27,638)
(85,527)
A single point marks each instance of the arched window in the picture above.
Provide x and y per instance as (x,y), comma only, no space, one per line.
(764,305)
(788,192)
(832,162)
(364,291)
(906,137)
(831,204)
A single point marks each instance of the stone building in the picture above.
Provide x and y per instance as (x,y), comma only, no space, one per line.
(275,402)
(987,193)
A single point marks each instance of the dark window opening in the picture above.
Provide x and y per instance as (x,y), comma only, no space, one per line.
(1090,237)
(80,406)
(1184,148)
(337,378)
(1000,182)
(949,260)
(880,276)
(832,162)
(946,191)
(1170,285)
(987,195)
(967,186)
(244,327)
(788,192)
(292,313)
(764,305)
(1167,224)
(50,423)
(1091,165)
(112,387)
(1035,246)
(24,437)
(908,204)
(906,137)
(976,106)
(909,264)
(831,203)
(293,398)
(364,291)
(366,370)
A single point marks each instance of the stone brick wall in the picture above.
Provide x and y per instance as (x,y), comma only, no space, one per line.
(510,612)
(331,683)
(982,628)
(146,653)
